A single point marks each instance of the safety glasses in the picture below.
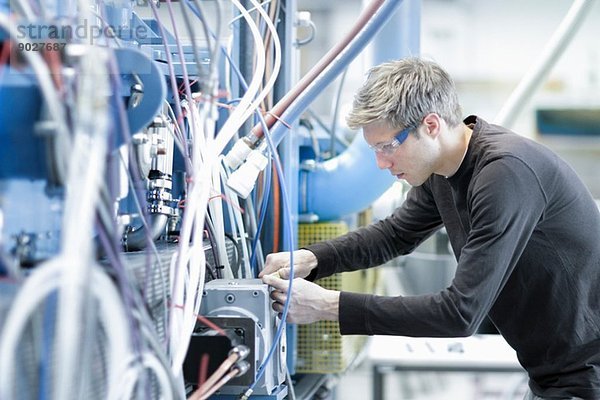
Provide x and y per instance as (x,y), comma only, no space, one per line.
(388,148)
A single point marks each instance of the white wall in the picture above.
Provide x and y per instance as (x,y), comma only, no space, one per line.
(489,45)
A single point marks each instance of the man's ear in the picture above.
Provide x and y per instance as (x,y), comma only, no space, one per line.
(433,124)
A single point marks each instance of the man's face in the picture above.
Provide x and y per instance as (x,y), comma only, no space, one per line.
(406,155)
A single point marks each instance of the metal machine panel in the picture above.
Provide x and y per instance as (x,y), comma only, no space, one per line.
(248,300)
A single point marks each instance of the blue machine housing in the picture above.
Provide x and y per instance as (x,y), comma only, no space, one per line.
(22,153)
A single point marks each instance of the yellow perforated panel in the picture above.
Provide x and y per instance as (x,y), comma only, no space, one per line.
(321,348)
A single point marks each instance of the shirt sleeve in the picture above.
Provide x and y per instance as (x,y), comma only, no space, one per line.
(410,224)
(506,204)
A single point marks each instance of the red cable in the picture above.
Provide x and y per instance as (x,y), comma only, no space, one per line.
(211,325)
(206,322)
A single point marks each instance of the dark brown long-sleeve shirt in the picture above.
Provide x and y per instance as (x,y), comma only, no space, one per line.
(526,234)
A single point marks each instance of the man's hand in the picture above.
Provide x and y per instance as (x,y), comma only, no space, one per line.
(304,262)
(309,303)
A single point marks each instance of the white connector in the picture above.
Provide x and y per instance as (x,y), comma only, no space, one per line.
(303,18)
(238,153)
(243,180)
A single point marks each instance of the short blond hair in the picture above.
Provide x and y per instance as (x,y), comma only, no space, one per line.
(400,93)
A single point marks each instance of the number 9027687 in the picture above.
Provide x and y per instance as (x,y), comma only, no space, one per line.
(41,46)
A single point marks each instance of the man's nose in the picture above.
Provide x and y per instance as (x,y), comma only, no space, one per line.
(383,162)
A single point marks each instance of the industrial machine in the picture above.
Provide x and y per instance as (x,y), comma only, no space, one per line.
(151,156)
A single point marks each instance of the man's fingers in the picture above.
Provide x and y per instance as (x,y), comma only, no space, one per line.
(277,283)
(267,271)
(278,296)
(277,307)
(284,273)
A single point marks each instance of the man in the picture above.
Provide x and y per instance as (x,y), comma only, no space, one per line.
(524,229)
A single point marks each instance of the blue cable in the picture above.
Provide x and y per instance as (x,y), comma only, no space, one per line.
(263,213)
(287,213)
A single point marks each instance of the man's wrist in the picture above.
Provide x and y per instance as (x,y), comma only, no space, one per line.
(331,309)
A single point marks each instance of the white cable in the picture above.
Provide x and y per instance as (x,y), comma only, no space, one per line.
(276,62)
(253,230)
(538,72)
(131,377)
(235,120)
(224,135)
(192,259)
(177,298)
(37,287)
(228,67)
(216,212)
(115,324)
(239,222)
(85,176)
(44,280)
(175,131)
(234,227)
(190,264)
(264,3)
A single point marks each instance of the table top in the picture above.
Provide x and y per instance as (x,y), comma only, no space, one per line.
(476,353)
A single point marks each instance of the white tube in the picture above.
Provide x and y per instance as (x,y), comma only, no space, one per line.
(276,63)
(239,222)
(44,280)
(192,259)
(538,72)
(36,288)
(236,119)
(234,226)
(114,320)
(85,175)
(130,377)
(216,211)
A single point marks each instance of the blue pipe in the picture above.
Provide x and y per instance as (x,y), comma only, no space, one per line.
(345,184)
(400,37)
(352,181)
(331,188)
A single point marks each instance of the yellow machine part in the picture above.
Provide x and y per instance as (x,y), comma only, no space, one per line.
(320,347)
